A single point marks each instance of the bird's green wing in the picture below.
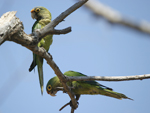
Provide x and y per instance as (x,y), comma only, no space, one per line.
(37,60)
(91,87)
(74,73)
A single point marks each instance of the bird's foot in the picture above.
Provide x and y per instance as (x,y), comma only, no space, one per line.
(71,105)
(43,48)
(49,53)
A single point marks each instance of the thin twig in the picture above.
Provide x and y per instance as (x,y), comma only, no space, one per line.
(62,31)
(64,106)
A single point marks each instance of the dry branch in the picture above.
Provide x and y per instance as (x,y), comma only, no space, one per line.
(109,78)
(8,24)
(115,17)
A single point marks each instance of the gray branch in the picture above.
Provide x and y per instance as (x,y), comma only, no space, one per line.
(115,17)
(8,25)
(109,78)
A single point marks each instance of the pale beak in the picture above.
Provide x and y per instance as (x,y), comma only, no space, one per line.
(47,92)
(33,14)
(52,94)
(32,10)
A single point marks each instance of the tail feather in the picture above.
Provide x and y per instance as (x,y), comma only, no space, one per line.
(40,72)
(115,94)
(32,66)
(37,60)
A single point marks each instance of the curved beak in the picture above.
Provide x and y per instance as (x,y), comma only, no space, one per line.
(47,92)
(52,94)
(33,14)
(32,10)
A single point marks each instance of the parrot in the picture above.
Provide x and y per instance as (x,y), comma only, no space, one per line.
(82,87)
(43,17)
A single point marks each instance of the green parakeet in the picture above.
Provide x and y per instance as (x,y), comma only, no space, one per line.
(82,87)
(43,17)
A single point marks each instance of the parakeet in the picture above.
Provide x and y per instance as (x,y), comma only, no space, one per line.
(82,87)
(43,17)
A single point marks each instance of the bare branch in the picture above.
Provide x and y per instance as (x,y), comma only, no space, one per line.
(72,110)
(67,12)
(115,17)
(8,21)
(110,78)
(64,106)
(60,89)
(63,31)
(69,103)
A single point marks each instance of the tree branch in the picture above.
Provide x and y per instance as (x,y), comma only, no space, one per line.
(64,106)
(108,78)
(72,110)
(8,24)
(115,17)
(13,31)
(63,31)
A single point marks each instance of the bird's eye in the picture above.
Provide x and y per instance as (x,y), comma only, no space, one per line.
(49,87)
(37,10)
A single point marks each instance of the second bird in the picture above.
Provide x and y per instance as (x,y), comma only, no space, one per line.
(82,87)
(43,17)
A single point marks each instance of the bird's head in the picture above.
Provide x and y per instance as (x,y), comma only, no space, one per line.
(40,13)
(52,85)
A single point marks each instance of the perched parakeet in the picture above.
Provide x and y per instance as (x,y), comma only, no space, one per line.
(82,87)
(43,17)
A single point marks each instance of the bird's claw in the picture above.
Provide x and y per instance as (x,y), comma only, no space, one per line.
(43,48)
(49,53)
(71,105)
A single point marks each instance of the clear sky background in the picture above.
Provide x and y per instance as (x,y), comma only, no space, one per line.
(94,47)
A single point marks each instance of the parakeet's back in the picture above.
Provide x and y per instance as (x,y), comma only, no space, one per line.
(83,87)
(91,87)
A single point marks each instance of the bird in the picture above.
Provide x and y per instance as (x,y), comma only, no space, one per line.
(82,87)
(43,17)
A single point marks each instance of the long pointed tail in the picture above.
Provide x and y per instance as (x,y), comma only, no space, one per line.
(40,72)
(115,94)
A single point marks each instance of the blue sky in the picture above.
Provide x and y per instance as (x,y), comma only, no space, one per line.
(94,47)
